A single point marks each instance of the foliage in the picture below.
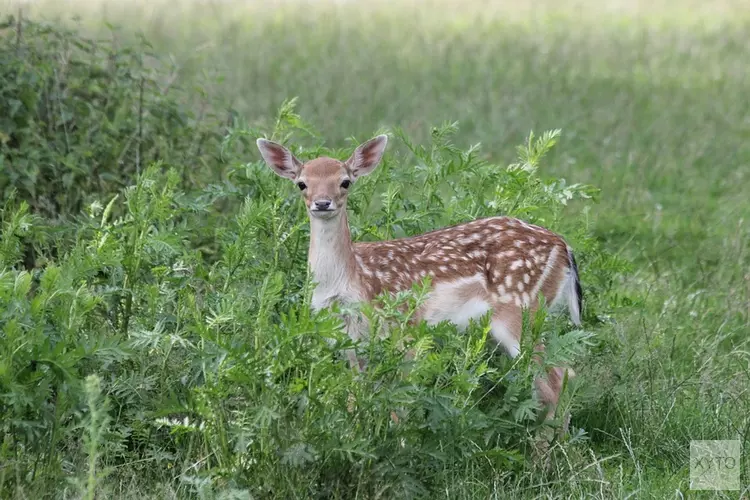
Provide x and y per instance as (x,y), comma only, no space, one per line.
(652,103)
(131,349)
(81,117)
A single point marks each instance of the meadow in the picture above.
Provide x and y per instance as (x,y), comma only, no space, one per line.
(156,339)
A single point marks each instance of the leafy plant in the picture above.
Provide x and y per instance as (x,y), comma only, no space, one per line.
(79,118)
(186,307)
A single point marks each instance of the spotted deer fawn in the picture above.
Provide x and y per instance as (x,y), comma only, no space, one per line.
(497,264)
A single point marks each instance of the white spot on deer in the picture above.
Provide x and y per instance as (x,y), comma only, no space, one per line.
(518,243)
(443,269)
(383,275)
(516,264)
(528,263)
(509,280)
(520,286)
(505,298)
(526,278)
(526,298)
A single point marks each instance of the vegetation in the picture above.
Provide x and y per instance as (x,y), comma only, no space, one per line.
(156,338)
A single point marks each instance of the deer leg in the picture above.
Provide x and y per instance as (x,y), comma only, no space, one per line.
(549,388)
(506,330)
(356,329)
(506,327)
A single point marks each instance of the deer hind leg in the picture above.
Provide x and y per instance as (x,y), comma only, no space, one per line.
(506,329)
(549,388)
(558,287)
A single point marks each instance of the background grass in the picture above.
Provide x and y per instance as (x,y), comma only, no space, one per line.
(652,100)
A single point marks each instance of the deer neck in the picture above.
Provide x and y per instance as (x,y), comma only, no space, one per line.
(331,259)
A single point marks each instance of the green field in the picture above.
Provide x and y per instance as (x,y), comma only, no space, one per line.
(653,103)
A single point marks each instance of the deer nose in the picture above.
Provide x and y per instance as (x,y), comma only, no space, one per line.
(322,204)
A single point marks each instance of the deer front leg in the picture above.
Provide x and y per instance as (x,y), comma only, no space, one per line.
(356,329)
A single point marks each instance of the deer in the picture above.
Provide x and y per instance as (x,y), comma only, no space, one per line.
(494,266)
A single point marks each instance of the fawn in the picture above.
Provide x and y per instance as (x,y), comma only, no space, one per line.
(497,264)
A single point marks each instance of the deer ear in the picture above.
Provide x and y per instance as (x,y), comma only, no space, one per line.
(279,158)
(367,156)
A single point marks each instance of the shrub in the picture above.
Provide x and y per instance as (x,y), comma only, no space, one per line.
(135,350)
(80,118)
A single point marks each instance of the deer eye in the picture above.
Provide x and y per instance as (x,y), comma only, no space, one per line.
(346,183)
(302,186)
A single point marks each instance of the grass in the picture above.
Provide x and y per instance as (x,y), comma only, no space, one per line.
(652,102)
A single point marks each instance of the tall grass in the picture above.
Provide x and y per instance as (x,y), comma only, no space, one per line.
(651,100)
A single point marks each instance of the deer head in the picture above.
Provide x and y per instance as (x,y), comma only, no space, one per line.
(324,182)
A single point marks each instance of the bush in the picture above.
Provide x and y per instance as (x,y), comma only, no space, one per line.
(80,118)
(137,352)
